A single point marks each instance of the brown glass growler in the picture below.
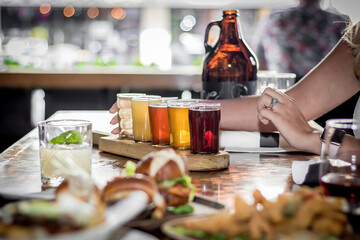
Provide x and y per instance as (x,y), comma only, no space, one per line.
(230,67)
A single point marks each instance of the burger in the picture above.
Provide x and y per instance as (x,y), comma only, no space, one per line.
(170,171)
(37,219)
(77,206)
(120,187)
(73,188)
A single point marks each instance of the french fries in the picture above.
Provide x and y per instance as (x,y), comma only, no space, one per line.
(306,209)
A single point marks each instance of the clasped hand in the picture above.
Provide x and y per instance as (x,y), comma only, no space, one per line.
(282,111)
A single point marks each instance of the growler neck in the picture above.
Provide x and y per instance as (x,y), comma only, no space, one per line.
(230,29)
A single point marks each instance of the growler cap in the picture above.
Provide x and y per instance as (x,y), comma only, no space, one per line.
(229,12)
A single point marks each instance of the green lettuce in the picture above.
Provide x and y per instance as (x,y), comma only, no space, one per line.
(203,235)
(130,168)
(184,180)
(183,209)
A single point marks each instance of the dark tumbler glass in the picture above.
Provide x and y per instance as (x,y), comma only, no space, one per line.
(204,120)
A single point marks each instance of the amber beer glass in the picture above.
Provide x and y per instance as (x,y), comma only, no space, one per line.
(204,119)
(159,124)
(230,67)
(178,112)
(140,116)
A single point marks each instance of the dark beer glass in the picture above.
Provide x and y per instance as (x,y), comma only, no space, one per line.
(204,120)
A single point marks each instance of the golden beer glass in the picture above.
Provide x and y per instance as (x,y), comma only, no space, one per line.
(178,113)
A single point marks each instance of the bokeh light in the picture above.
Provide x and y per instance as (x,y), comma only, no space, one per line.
(155,48)
(69,11)
(93,12)
(188,23)
(45,8)
(118,13)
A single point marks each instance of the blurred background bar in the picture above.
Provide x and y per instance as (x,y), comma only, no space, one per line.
(76,55)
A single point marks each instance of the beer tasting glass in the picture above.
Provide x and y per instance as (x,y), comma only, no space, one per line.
(178,113)
(159,124)
(123,102)
(204,120)
(280,81)
(340,155)
(65,149)
(285,81)
(140,116)
(166,99)
(265,79)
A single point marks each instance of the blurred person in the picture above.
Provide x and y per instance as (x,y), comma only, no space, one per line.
(296,39)
(326,86)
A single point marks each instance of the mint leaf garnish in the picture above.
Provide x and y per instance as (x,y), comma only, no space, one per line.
(69,137)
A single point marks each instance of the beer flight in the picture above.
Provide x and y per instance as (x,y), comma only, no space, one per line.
(181,124)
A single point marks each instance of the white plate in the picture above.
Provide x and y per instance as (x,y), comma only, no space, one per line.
(125,233)
(166,228)
(116,216)
(202,205)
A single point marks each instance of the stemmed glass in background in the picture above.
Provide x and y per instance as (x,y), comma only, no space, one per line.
(340,154)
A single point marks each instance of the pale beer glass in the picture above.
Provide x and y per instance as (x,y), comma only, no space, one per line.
(123,103)
(140,116)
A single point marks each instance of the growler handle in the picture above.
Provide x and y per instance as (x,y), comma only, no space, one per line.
(207,46)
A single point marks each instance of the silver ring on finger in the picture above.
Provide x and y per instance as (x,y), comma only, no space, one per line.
(273,102)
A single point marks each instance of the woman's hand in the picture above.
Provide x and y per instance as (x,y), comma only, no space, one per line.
(286,116)
(115,119)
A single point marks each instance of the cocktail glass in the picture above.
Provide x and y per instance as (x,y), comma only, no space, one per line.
(65,150)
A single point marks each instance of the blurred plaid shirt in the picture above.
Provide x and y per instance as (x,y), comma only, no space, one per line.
(296,39)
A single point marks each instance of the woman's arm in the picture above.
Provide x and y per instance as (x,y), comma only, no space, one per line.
(349,144)
(328,85)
